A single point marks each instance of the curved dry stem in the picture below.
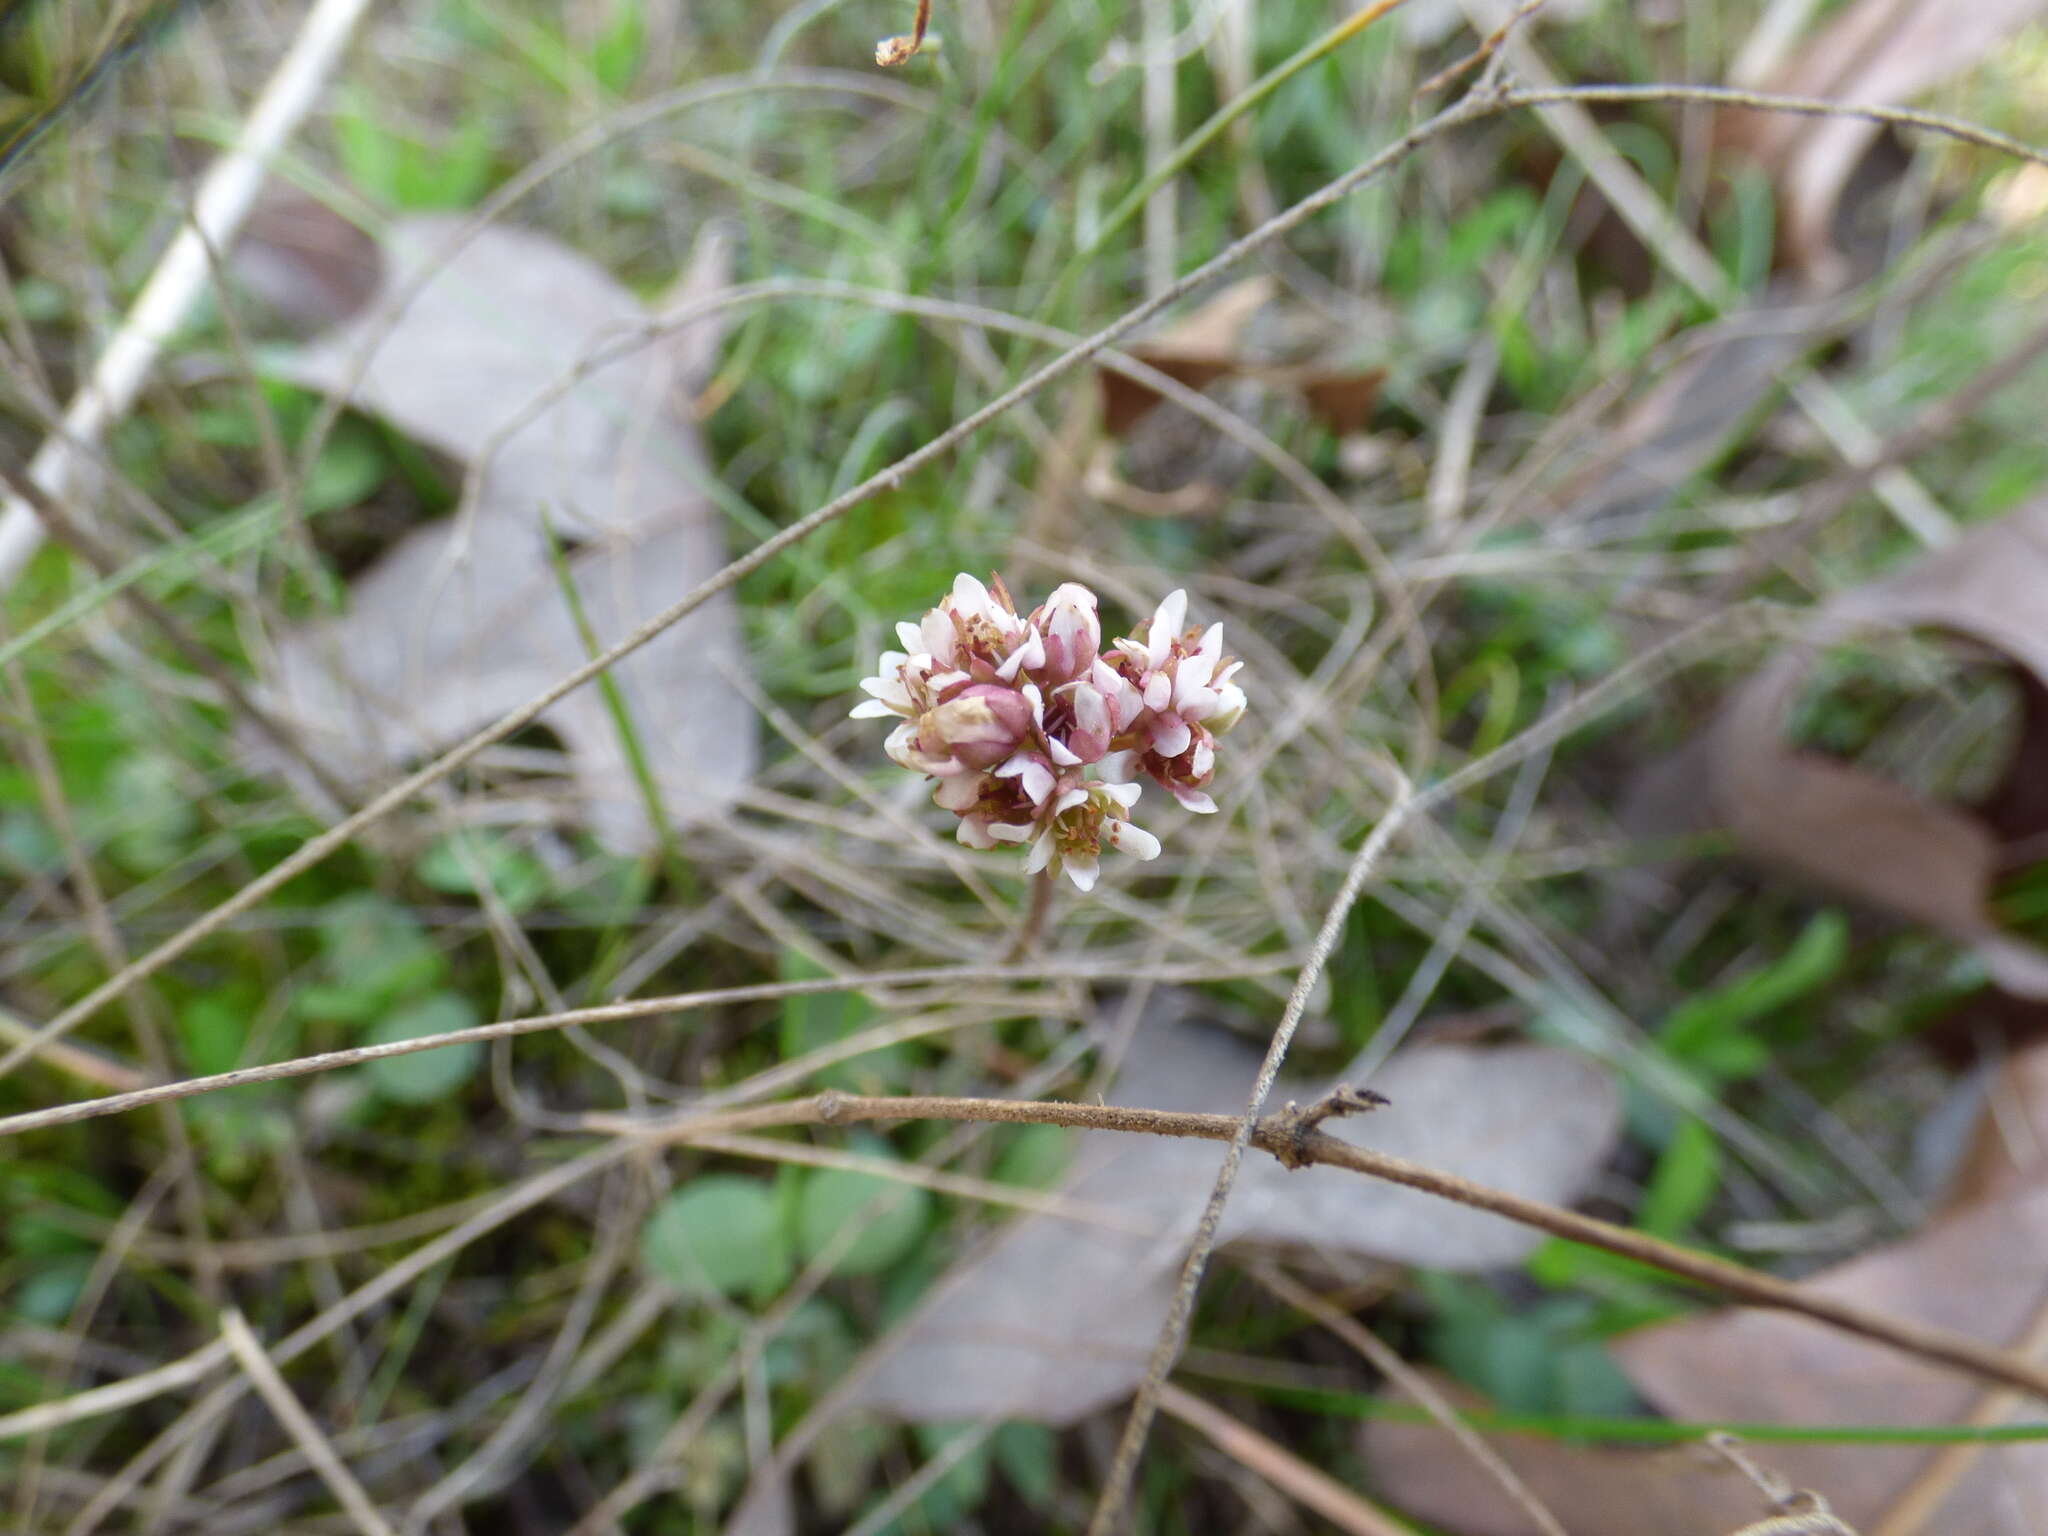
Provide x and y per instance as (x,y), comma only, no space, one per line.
(1044,884)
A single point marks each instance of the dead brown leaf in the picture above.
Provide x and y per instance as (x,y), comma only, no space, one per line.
(1055,1319)
(306,263)
(1874,53)
(1673,431)
(2008,1152)
(1867,837)
(1213,342)
(1593,1490)
(1979,1272)
(466,619)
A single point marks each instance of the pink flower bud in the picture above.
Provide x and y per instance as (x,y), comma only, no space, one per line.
(979,727)
(1033,731)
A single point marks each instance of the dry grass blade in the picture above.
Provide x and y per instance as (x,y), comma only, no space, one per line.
(116,1395)
(1417,1386)
(273,1389)
(1308,1486)
(639,1008)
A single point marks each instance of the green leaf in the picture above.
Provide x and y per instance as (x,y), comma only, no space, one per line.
(718,1236)
(820,1019)
(889,1217)
(49,1293)
(463,863)
(955,1496)
(1028,1455)
(369,154)
(213,1032)
(1587,1381)
(1707,1031)
(1545,1358)
(1687,1174)
(1035,1156)
(1633,1293)
(349,468)
(371,953)
(615,56)
(151,812)
(427,1075)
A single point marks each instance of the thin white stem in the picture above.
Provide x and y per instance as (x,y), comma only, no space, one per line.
(224,201)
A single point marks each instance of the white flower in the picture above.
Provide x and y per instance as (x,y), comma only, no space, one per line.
(1035,735)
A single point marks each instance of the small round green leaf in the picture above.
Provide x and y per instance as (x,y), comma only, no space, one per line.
(889,1216)
(428,1075)
(720,1235)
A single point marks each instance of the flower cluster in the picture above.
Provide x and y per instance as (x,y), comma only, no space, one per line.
(1037,735)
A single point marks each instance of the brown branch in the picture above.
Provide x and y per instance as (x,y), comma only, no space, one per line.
(1284,1137)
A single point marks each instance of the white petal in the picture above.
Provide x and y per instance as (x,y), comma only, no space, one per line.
(1118,767)
(971,599)
(1170,735)
(974,833)
(901,743)
(911,636)
(869,709)
(1070,619)
(1091,711)
(1196,801)
(1128,837)
(1068,800)
(1212,644)
(1082,872)
(1228,711)
(1037,778)
(957,794)
(1040,856)
(1126,703)
(1168,620)
(888,687)
(1060,753)
(939,636)
(1030,653)
(1009,832)
(1158,691)
(1125,795)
